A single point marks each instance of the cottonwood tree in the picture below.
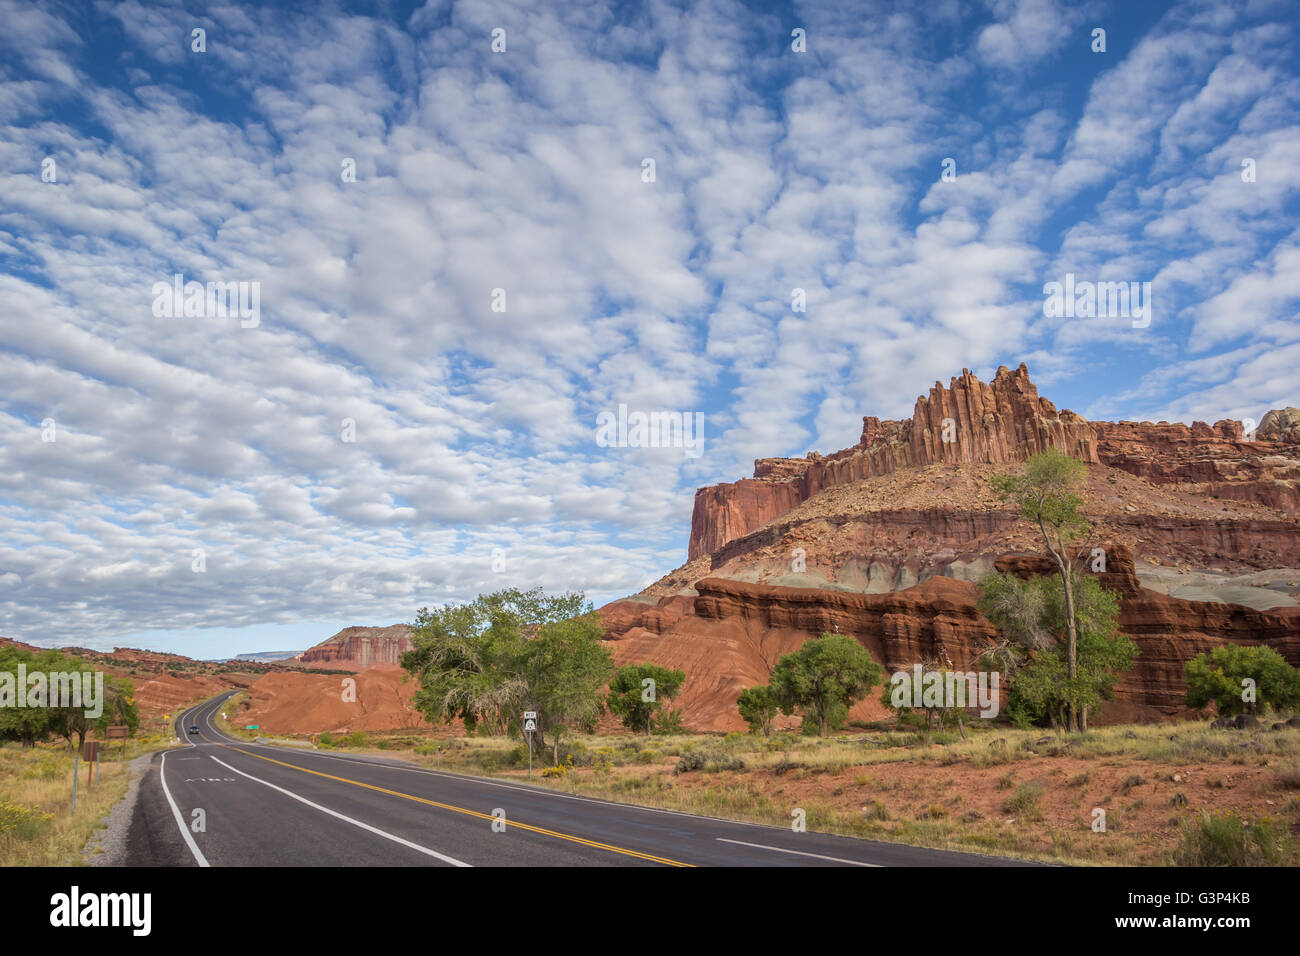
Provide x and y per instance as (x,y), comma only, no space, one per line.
(1221,676)
(823,679)
(1033,615)
(758,707)
(508,652)
(1046,493)
(636,702)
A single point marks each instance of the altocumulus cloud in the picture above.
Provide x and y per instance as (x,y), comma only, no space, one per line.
(461,264)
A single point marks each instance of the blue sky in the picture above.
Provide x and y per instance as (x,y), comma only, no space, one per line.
(198,494)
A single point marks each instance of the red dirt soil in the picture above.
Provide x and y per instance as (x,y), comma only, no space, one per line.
(288,702)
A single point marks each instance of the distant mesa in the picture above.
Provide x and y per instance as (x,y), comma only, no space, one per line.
(266,657)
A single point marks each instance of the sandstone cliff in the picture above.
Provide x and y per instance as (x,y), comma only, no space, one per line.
(971,422)
(355,648)
(968,422)
(886,540)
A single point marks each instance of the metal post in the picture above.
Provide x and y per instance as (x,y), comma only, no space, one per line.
(76,768)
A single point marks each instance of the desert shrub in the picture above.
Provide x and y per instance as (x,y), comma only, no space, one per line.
(780,742)
(785,765)
(22,822)
(355,739)
(48,767)
(1131,781)
(877,811)
(1025,801)
(1225,839)
(648,756)
(559,771)
(668,723)
(1287,776)
(710,759)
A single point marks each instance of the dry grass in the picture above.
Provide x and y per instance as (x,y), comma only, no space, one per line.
(1026,793)
(37,824)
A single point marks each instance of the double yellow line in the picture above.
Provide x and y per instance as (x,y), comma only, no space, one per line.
(471,813)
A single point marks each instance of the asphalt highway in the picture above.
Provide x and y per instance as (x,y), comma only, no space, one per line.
(224,802)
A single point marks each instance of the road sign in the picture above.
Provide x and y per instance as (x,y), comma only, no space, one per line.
(530,715)
(250,726)
(117,732)
(530,726)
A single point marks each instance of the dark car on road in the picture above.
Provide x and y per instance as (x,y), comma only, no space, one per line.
(194,728)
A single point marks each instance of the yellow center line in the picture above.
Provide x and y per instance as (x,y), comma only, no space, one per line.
(472,813)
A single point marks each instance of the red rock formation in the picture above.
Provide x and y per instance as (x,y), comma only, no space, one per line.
(1007,421)
(905,505)
(734,632)
(354,648)
(967,422)
(1216,462)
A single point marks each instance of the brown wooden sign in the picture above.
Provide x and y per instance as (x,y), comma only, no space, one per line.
(118,732)
(90,750)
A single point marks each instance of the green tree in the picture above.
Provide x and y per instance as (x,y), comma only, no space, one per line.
(489,661)
(119,707)
(24,724)
(1046,493)
(758,707)
(638,692)
(1033,614)
(565,668)
(931,714)
(823,679)
(1221,676)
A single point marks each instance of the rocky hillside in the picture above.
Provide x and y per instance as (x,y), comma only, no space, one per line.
(885,540)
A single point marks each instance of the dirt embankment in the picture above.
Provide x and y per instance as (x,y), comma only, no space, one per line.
(379,698)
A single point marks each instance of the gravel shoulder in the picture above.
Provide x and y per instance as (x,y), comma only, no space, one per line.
(108,846)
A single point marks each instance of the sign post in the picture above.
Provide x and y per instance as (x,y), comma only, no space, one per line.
(90,751)
(530,726)
(119,732)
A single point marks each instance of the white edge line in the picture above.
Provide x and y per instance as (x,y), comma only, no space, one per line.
(180,821)
(778,849)
(357,823)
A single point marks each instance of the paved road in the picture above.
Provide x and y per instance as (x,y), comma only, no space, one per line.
(272,806)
